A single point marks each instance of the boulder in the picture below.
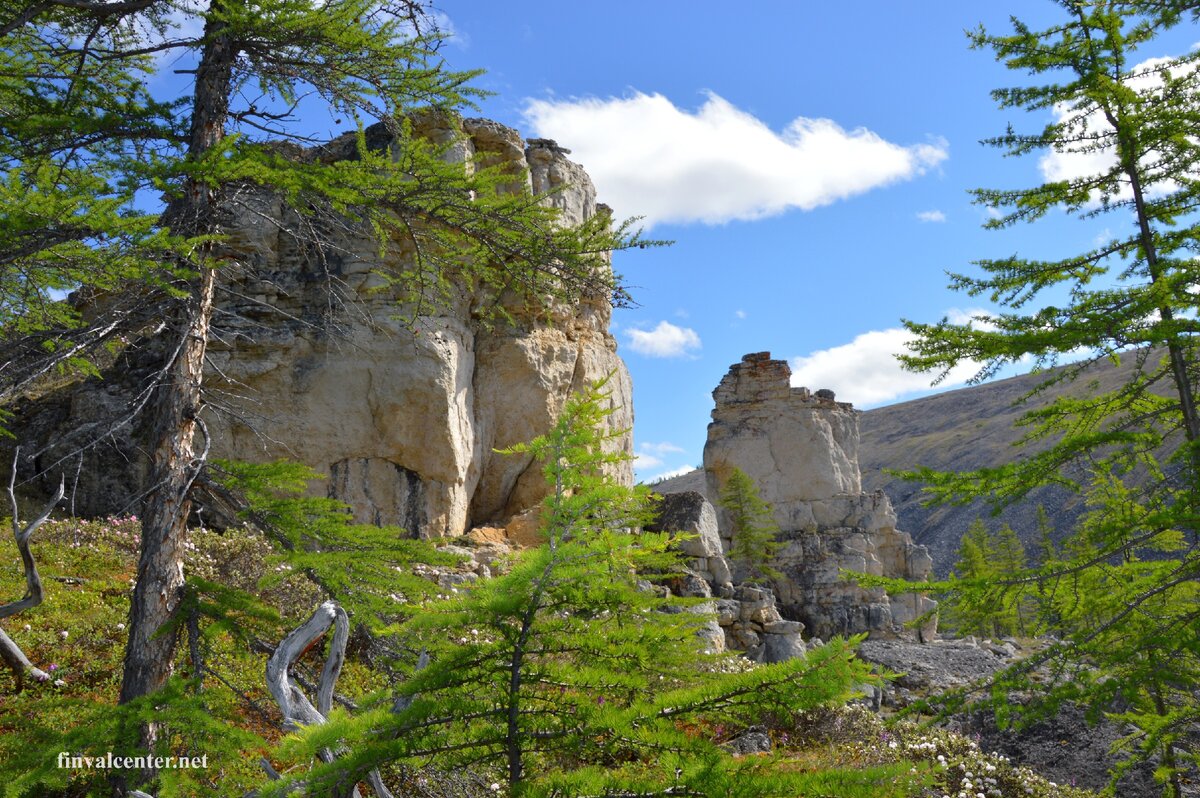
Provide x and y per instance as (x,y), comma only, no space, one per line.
(782,647)
(691,514)
(754,740)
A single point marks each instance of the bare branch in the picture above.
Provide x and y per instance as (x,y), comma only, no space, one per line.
(33,582)
(297,709)
(10,652)
(18,663)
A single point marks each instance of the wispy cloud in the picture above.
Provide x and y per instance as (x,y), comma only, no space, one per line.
(660,448)
(650,455)
(665,340)
(931,216)
(449,31)
(674,472)
(718,163)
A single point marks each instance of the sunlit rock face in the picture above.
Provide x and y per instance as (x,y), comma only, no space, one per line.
(801,449)
(405,418)
(313,358)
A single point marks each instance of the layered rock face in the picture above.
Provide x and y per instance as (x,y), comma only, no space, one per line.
(312,359)
(406,421)
(801,450)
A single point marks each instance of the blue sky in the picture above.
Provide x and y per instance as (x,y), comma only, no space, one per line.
(811,161)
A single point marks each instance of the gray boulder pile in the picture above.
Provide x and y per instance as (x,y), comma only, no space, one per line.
(745,617)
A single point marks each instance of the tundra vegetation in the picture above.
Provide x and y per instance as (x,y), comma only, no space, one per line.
(570,673)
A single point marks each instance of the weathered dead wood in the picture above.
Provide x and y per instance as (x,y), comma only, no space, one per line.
(10,652)
(297,709)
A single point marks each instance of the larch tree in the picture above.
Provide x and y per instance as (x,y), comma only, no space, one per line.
(753,526)
(574,674)
(1123,591)
(81,71)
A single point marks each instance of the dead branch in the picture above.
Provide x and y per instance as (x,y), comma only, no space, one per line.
(297,709)
(10,652)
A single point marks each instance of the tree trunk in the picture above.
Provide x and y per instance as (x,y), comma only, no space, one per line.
(149,655)
(153,635)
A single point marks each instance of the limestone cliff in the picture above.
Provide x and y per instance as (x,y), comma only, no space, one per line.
(801,449)
(312,359)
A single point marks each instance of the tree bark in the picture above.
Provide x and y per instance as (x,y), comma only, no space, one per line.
(175,464)
(153,637)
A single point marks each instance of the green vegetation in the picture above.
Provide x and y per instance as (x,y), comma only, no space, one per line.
(573,672)
(106,187)
(570,674)
(1122,592)
(753,526)
(985,561)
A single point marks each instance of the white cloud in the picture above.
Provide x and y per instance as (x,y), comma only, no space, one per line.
(641,461)
(674,472)
(741,314)
(665,340)
(650,158)
(1084,159)
(931,216)
(866,372)
(660,448)
(650,455)
(975,316)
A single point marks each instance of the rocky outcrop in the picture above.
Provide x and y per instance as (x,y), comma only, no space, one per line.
(693,517)
(315,358)
(801,449)
(744,617)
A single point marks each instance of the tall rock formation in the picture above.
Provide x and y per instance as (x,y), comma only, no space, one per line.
(312,359)
(801,449)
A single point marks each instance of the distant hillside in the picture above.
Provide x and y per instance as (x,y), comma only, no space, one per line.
(957,430)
